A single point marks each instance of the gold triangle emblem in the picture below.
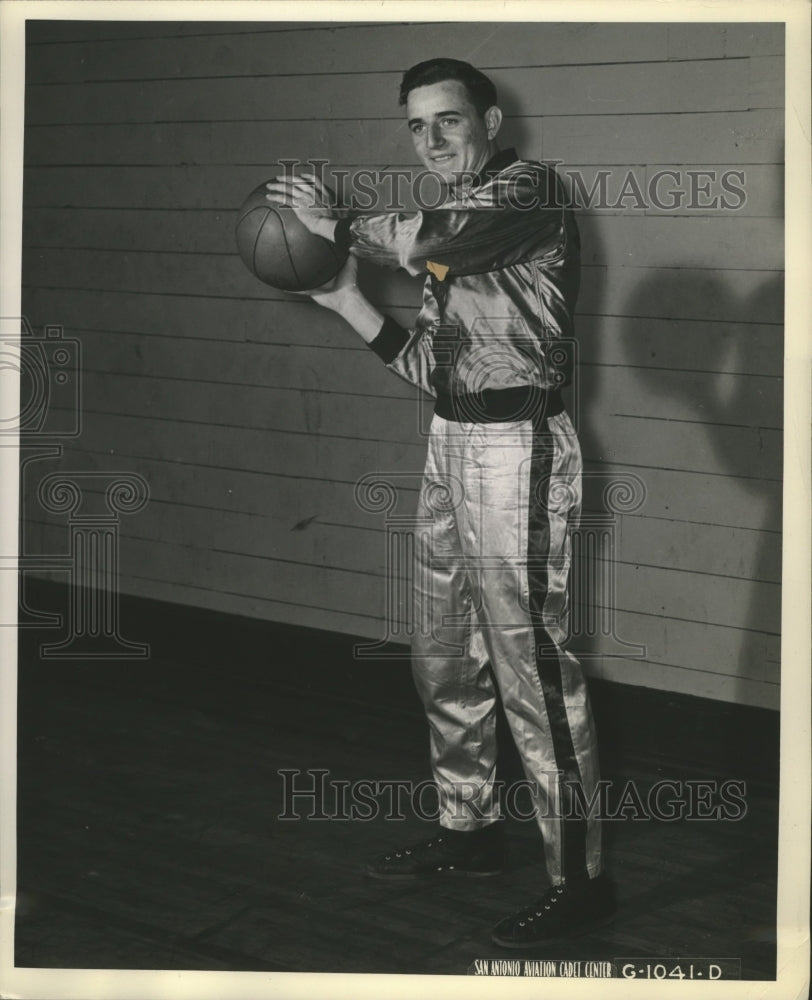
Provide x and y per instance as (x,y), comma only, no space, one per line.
(438,270)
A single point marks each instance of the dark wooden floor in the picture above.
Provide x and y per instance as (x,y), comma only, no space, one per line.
(149,835)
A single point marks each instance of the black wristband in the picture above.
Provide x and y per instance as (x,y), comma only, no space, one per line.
(341,234)
(390,340)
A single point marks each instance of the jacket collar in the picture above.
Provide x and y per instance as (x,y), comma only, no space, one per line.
(494,165)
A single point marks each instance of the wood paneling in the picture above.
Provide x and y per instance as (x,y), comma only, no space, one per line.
(714,137)
(225,160)
(252,413)
(360,544)
(180,49)
(696,397)
(677,87)
(330,580)
(741,241)
(672,292)
(743,346)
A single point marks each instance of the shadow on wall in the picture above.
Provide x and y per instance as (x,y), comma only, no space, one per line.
(733,420)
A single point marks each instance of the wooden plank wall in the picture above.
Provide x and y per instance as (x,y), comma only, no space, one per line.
(252,413)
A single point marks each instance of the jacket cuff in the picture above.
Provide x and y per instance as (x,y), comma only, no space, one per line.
(389,341)
(341,234)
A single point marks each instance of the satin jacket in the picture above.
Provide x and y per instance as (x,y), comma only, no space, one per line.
(503,262)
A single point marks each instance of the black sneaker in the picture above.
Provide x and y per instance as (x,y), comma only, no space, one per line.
(474,854)
(563,911)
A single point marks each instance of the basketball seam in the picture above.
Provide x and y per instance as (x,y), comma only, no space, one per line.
(287,247)
(256,240)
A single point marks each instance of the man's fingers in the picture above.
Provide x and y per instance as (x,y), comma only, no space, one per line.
(291,196)
(319,184)
(324,194)
(295,191)
(291,184)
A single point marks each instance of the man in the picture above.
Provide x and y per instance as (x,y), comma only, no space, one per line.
(502,256)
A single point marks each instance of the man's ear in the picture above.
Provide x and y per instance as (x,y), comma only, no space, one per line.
(493,119)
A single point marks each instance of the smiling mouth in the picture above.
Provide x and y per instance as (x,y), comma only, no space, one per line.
(442,157)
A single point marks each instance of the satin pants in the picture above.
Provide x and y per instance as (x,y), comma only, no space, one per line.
(497,507)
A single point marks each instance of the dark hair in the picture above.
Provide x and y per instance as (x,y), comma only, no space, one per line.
(481,91)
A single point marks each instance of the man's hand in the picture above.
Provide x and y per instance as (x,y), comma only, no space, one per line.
(336,293)
(343,296)
(310,199)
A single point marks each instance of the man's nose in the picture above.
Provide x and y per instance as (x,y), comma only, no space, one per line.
(435,137)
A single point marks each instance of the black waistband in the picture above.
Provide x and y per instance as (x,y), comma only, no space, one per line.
(523,402)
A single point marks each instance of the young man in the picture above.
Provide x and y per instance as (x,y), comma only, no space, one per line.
(490,344)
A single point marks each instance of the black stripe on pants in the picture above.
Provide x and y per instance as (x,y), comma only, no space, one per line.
(548,665)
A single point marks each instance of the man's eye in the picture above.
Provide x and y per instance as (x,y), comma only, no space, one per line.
(450,122)
(416,129)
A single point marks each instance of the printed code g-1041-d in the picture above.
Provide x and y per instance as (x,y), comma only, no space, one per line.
(678,968)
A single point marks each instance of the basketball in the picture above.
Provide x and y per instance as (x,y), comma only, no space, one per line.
(280,250)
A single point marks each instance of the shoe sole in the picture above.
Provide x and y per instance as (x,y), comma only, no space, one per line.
(427,876)
(595,924)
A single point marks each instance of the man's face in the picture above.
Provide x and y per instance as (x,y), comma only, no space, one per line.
(448,133)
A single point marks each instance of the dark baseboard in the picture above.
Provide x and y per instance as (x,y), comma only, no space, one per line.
(681,735)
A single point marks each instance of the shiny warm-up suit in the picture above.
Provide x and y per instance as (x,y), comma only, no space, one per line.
(501,494)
